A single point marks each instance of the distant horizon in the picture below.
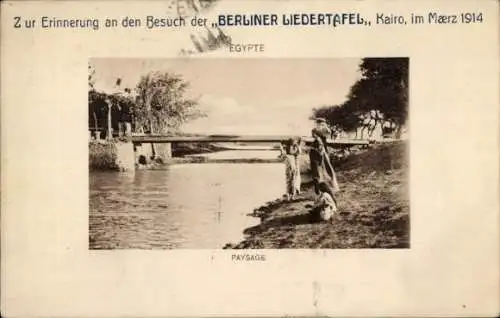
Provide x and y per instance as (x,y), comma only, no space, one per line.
(244,96)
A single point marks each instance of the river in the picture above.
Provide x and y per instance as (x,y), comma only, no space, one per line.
(202,205)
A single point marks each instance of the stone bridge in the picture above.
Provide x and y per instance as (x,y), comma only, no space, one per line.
(130,148)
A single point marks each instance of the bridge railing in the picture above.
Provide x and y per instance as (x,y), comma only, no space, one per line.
(237,139)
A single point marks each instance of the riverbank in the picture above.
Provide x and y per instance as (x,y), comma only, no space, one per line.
(102,155)
(373,208)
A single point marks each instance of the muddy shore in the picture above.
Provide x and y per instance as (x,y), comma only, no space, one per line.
(373,209)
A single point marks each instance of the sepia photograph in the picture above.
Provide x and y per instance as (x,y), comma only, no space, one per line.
(250,153)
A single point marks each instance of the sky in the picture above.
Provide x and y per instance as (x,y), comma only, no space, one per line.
(245,96)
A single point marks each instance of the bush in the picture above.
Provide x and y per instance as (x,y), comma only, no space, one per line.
(102,155)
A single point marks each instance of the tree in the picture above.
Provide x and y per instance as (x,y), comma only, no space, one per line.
(104,108)
(338,117)
(97,108)
(112,101)
(91,77)
(159,106)
(162,105)
(383,87)
(92,96)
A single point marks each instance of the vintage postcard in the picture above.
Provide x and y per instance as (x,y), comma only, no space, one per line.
(205,156)
(250,158)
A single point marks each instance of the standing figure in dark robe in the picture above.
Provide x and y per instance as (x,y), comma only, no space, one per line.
(321,167)
(322,131)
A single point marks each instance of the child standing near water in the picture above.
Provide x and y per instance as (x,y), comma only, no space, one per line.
(290,152)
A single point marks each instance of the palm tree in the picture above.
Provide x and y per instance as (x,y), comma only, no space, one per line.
(109,102)
(112,102)
(146,91)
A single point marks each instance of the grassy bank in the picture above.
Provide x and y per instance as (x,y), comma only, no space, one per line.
(373,208)
(102,155)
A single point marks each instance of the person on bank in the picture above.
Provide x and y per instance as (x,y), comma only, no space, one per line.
(325,205)
(321,130)
(321,166)
(290,151)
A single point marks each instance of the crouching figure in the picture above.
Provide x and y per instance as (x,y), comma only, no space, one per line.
(325,206)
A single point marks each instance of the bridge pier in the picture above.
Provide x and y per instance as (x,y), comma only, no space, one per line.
(144,152)
(163,151)
(125,156)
